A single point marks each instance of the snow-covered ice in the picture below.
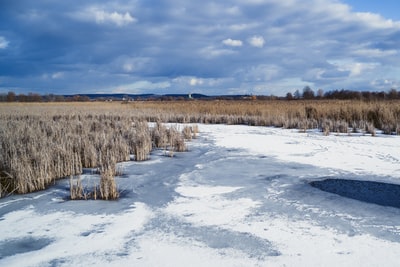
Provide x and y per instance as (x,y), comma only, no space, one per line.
(240,197)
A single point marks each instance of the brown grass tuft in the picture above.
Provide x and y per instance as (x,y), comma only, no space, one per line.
(187,133)
(76,188)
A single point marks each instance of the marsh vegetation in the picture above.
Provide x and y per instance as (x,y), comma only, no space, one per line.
(326,115)
(42,142)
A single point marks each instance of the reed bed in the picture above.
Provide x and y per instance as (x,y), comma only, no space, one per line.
(42,143)
(326,115)
(169,138)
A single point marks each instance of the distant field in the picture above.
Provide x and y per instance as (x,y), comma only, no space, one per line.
(327,115)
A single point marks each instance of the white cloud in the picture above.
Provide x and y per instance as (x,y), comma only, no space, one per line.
(57,75)
(126,64)
(53,76)
(257,41)
(343,12)
(117,18)
(262,72)
(128,67)
(212,8)
(141,86)
(3,43)
(375,52)
(385,84)
(212,52)
(231,42)
(253,2)
(199,84)
(376,20)
(355,68)
(234,10)
(242,26)
(100,16)
(358,68)
(195,81)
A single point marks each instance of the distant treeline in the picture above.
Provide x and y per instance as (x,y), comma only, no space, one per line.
(34,97)
(306,93)
(343,94)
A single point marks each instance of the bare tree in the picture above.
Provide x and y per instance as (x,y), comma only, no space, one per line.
(11,97)
(320,93)
(308,93)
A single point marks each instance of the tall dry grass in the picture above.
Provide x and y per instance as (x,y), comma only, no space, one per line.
(327,115)
(42,143)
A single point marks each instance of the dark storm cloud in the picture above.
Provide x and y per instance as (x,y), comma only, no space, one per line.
(253,46)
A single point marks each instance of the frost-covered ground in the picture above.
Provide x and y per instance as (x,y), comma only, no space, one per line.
(240,197)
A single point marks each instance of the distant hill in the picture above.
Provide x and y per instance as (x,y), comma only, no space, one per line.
(112,96)
(120,97)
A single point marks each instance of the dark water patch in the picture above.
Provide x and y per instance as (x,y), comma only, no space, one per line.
(379,193)
(22,245)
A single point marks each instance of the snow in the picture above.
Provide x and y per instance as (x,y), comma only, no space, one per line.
(349,152)
(240,197)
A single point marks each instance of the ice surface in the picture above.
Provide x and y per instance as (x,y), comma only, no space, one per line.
(240,197)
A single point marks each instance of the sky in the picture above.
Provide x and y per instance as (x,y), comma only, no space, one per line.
(261,47)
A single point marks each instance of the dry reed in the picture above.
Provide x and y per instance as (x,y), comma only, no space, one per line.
(42,144)
(326,115)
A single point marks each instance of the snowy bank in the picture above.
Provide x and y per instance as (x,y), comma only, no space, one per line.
(240,197)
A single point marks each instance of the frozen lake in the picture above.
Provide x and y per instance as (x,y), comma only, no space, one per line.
(242,196)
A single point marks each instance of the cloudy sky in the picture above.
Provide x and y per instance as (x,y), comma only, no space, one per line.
(210,47)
